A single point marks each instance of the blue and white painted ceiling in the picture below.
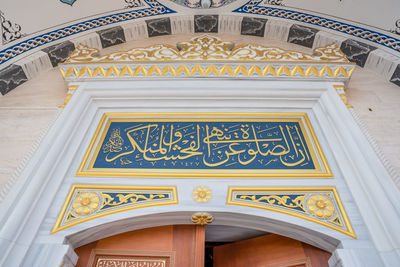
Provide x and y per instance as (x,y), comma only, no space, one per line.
(368,31)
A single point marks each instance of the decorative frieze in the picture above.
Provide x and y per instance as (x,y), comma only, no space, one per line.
(319,205)
(87,202)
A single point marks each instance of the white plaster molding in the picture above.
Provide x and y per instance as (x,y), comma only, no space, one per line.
(367,179)
(382,63)
(26,204)
(35,64)
(182,24)
(392,172)
(323,39)
(135,30)
(230,24)
(34,202)
(277,30)
(91,40)
(17,173)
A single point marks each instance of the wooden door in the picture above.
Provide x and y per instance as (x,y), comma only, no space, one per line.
(166,246)
(269,251)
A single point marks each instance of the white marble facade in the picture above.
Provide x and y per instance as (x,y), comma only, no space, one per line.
(359,176)
(362,179)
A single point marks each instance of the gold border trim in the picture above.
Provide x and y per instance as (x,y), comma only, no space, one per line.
(310,137)
(197,70)
(349,232)
(74,187)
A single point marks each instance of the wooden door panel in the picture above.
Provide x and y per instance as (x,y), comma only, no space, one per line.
(178,246)
(269,251)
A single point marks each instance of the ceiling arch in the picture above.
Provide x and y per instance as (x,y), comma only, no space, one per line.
(25,57)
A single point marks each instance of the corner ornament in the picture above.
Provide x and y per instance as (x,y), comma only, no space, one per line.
(87,202)
(319,205)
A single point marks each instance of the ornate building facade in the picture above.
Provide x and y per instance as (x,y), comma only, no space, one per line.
(166,132)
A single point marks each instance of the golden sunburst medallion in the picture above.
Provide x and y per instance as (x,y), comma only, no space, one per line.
(202,194)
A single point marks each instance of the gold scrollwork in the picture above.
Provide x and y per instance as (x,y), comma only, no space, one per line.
(319,205)
(210,48)
(87,202)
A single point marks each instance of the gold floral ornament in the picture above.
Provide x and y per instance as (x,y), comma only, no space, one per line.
(202,194)
(86,203)
(321,206)
(207,47)
(202,218)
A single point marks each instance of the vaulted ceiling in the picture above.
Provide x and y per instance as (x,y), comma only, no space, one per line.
(366,30)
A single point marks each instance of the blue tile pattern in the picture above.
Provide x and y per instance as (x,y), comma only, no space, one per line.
(252,7)
(21,47)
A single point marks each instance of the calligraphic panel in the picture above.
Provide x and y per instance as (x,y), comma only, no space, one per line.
(108,261)
(259,145)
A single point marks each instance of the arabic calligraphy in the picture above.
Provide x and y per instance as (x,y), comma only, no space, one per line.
(126,262)
(259,144)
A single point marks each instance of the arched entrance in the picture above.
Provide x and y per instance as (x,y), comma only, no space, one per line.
(198,246)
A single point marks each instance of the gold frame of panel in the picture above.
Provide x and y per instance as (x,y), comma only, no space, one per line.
(322,169)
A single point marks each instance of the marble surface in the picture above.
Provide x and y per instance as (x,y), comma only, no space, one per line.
(302,35)
(206,23)
(111,36)
(59,52)
(396,76)
(356,51)
(157,27)
(11,77)
(253,26)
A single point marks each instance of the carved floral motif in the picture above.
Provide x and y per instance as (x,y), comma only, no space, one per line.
(320,205)
(208,48)
(86,202)
(202,194)
(202,218)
